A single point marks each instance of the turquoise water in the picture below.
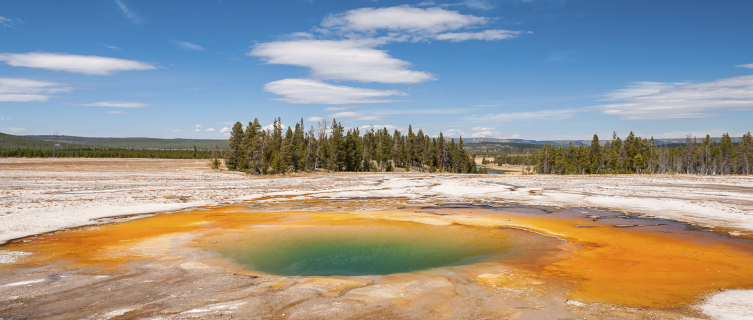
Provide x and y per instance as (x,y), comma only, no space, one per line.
(373,250)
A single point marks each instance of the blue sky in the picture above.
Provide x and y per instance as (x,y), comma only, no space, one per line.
(535,69)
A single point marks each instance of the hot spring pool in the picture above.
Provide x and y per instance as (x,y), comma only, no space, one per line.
(371,248)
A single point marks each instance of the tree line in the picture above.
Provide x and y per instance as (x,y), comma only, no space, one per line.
(109,153)
(636,155)
(332,147)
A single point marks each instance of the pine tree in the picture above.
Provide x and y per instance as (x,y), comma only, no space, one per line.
(236,146)
(746,153)
(595,158)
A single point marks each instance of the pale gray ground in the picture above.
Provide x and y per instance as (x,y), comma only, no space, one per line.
(42,195)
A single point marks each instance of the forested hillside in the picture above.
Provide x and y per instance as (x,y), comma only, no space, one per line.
(137,143)
(9,141)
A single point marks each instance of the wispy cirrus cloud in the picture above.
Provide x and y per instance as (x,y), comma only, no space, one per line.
(312,91)
(113,104)
(187,45)
(749,66)
(662,101)
(25,90)
(8,22)
(127,12)
(487,35)
(91,65)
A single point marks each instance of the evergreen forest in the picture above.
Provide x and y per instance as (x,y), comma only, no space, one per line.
(636,155)
(331,147)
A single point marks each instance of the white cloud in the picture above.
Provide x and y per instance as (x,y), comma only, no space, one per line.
(482,128)
(4,118)
(486,134)
(346,47)
(114,104)
(380,127)
(487,35)
(749,66)
(95,65)
(188,45)
(532,115)
(355,116)
(658,101)
(516,136)
(24,90)
(417,21)
(272,127)
(226,134)
(209,130)
(115,112)
(177,130)
(128,13)
(314,119)
(312,91)
(198,126)
(453,133)
(342,60)
(353,53)
(198,130)
(225,129)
